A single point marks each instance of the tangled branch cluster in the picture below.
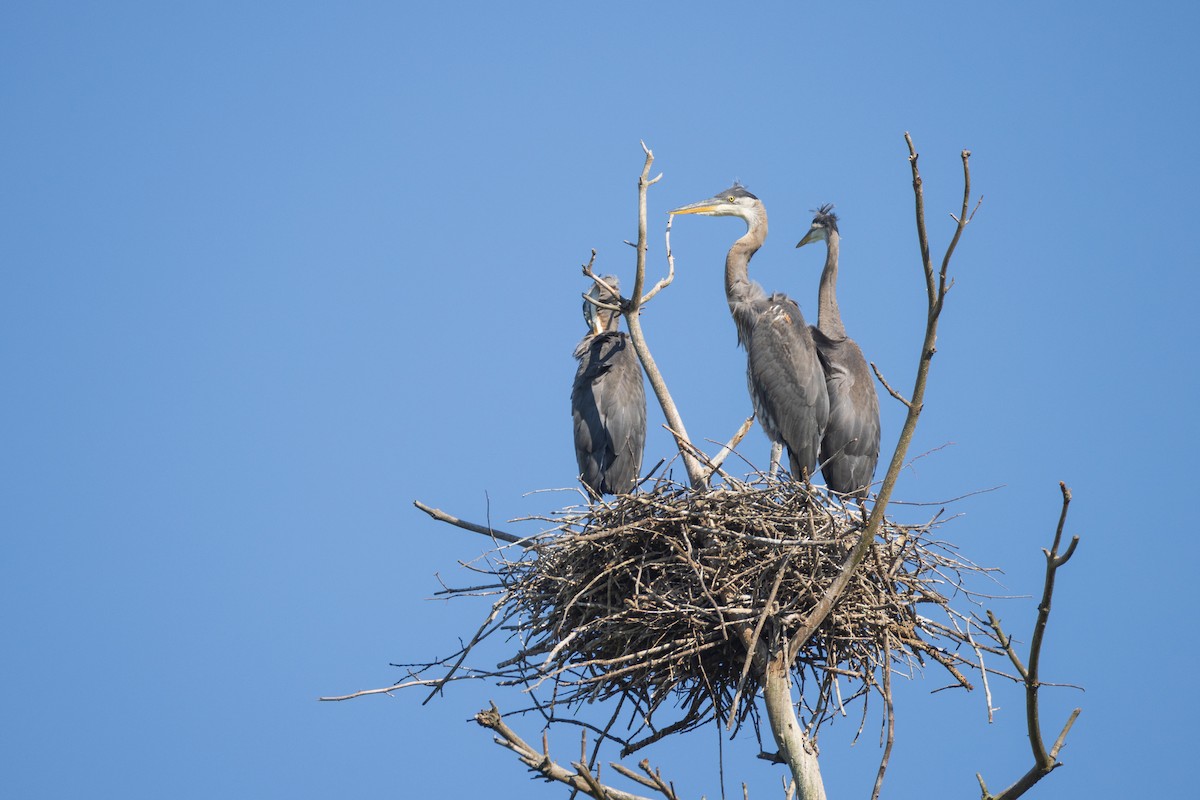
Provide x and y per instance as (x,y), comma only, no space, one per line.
(650,597)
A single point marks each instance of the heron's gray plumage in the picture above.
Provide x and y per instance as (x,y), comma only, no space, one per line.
(783,372)
(608,401)
(850,443)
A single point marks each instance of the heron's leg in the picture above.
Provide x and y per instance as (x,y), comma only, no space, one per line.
(776,455)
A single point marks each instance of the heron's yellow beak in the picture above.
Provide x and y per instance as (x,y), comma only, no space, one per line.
(695,208)
(813,235)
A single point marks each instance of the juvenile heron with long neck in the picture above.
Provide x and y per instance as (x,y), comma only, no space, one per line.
(850,444)
(783,372)
(608,400)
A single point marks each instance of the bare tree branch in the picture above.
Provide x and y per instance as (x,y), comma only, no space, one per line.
(710,468)
(655,778)
(633,776)
(540,762)
(890,723)
(603,284)
(793,744)
(497,607)
(715,462)
(1044,761)
(665,282)
(936,295)
(396,687)
(888,386)
(442,516)
(695,472)
(797,749)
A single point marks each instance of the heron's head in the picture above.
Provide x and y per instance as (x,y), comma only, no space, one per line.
(823,224)
(600,319)
(733,202)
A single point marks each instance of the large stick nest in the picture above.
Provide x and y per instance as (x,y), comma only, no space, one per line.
(656,595)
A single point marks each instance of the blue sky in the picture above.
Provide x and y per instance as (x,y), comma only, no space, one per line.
(272,272)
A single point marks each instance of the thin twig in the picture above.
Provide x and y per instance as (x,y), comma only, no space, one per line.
(396,687)
(604,286)
(752,645)
(664,282)
(698,455)
(497,607)
(442,516)
(888,386)
(890,722)
(987,689)
(715,462)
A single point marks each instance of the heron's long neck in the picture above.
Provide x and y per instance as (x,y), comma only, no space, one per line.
(829,318)
(738,286)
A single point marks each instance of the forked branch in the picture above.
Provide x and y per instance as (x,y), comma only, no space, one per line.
(581,779)
(937,286)
(696,473)
(1045,760)
(793,744)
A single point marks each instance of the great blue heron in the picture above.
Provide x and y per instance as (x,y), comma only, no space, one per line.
(608,401)
(850,445)
(783,372)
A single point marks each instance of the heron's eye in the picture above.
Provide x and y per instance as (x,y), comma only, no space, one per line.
(730,198)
